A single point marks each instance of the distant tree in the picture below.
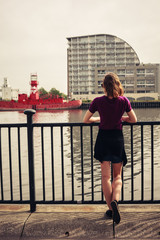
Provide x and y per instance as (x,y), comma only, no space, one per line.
(55,92)
(52,92)
(42,92)
(64,96)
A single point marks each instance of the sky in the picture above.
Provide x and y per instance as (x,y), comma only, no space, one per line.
(33,35)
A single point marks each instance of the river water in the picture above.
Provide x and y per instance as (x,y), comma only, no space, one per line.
(73,116)
(57,116)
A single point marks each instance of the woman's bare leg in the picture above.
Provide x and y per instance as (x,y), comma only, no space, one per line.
(106,182)
(117,181)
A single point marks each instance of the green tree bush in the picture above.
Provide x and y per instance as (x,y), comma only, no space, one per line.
(42,92)
(52,92)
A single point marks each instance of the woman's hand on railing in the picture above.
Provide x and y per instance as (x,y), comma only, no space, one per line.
(89,119)
(131,118)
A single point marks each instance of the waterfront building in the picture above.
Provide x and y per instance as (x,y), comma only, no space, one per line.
(139,82)
(8,93)
(90,57)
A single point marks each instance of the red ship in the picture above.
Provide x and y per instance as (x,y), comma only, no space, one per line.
(36,102)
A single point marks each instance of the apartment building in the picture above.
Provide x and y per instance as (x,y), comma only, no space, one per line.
(90,57)
(139,82)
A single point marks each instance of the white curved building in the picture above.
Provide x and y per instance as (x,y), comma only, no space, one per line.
(90,57)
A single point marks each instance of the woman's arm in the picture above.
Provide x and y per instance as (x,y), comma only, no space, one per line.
(131,118)
(89,119)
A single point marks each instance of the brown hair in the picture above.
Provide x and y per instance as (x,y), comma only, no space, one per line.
(112,85)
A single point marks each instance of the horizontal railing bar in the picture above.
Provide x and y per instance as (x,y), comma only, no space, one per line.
(73,124)
(79,124)
(15,202)
(63,124)
(140,202)
(99,202)
(6,125)
(56,202)
(79,202)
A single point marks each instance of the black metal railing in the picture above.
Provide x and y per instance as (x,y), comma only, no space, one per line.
(54,163)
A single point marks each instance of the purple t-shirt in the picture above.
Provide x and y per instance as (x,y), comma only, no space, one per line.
(110,111)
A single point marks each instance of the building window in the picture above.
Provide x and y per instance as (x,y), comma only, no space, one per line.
(101,72)
(140,70)
(120,71)
(129,71)
(140,81)
(149,70)
(142,91)
(129,91)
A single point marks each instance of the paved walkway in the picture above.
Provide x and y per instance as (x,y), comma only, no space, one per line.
(78,222)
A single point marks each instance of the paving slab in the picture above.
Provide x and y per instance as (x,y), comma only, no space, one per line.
(92,226)
(11,224)
(78,222)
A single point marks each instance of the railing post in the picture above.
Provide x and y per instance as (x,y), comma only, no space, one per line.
(29,113)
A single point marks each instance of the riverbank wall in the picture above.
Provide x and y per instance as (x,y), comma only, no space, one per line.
(134,105)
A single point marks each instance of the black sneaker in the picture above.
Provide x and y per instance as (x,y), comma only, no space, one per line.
(116,214)
(109,214)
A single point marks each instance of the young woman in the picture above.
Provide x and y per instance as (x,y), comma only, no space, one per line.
(109,146)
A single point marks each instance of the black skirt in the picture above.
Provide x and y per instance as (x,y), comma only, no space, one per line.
(109,146)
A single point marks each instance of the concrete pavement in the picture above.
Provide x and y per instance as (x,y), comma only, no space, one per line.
(78,222)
